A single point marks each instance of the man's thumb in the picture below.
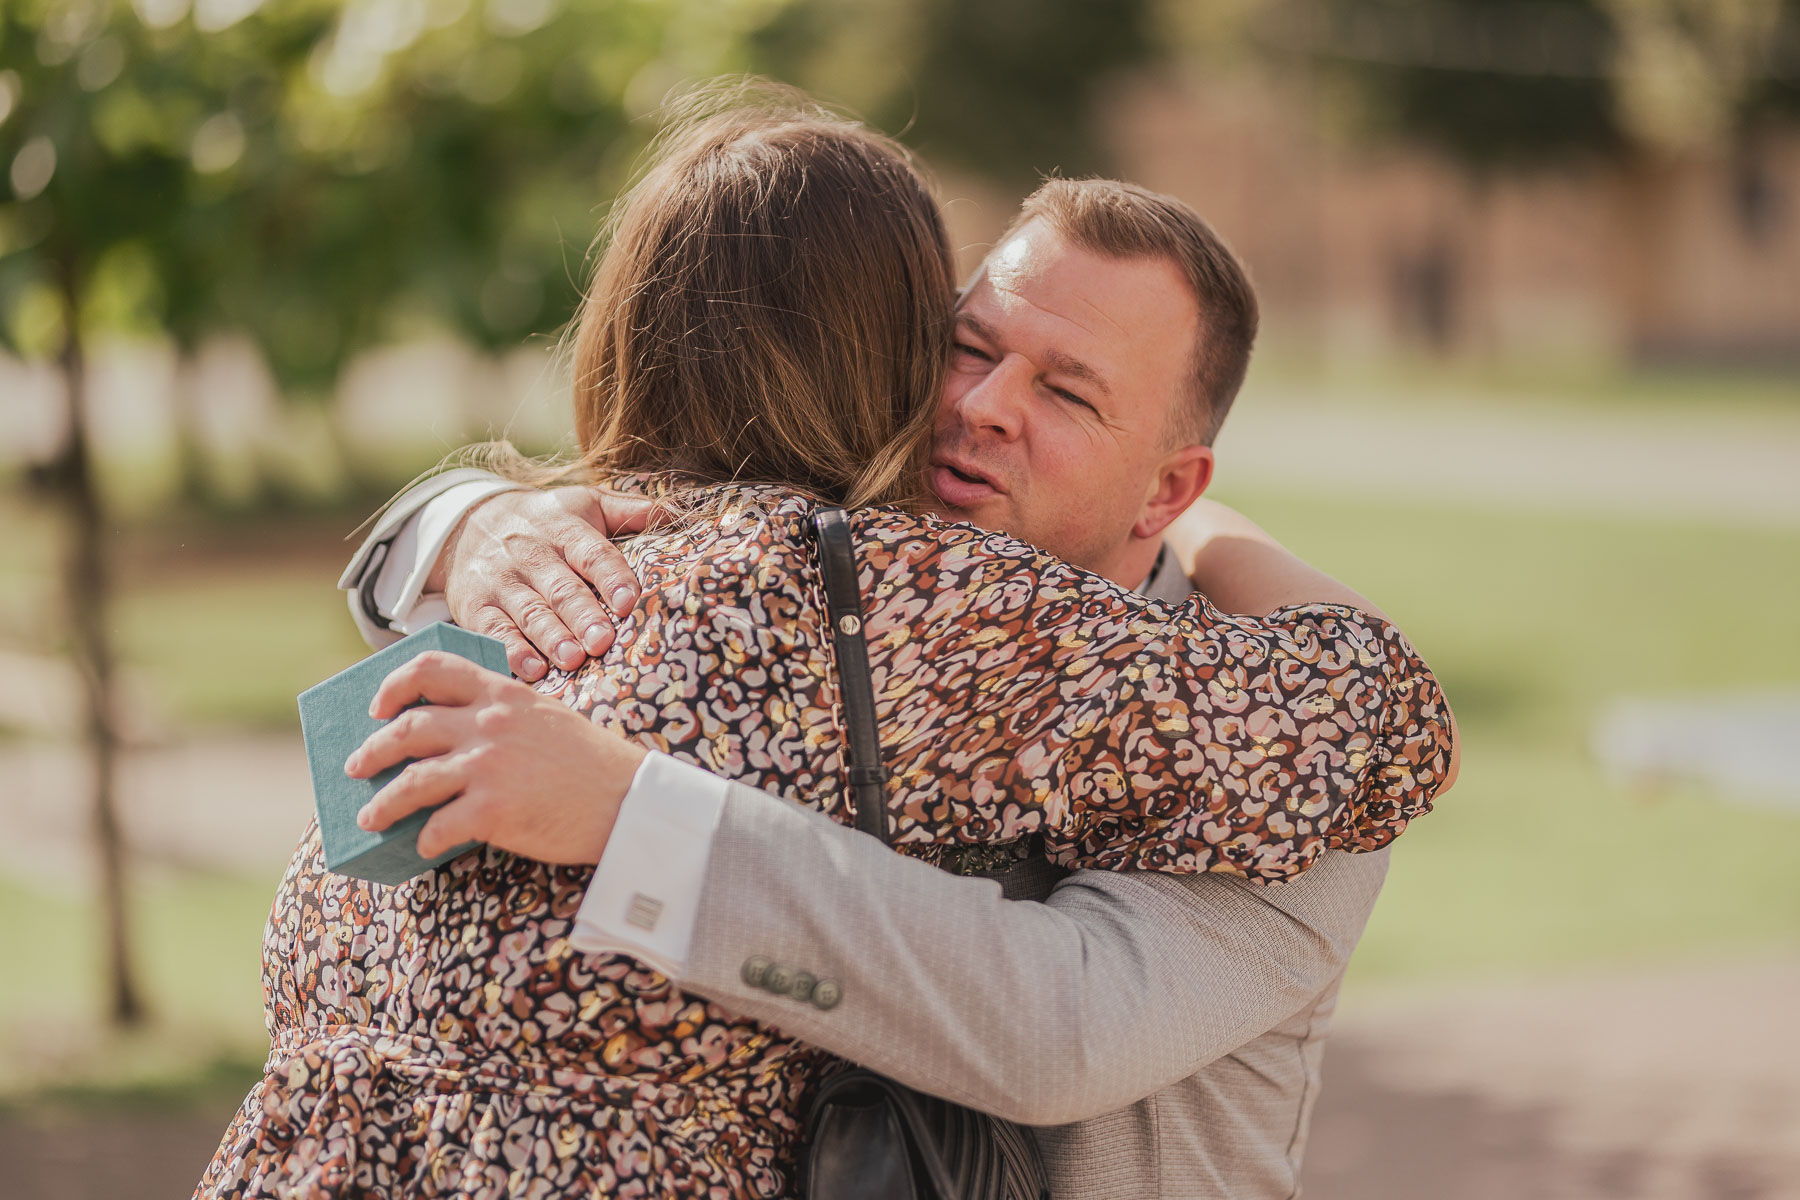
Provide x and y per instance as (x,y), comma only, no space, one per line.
(608,511)
(614,513)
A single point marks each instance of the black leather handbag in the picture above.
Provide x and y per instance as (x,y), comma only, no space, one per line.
(868,1137)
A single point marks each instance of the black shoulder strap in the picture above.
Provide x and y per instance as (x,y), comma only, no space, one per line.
(843,602)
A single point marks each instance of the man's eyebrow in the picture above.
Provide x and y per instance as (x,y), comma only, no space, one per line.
(982,329)
(1056,360)
(1073,367)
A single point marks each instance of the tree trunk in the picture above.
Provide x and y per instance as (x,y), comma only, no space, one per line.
(192,483)
(85,582)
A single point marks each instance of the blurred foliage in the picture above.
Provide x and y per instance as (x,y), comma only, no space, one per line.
(324,176)
(1006,89)
(1506,81)
(1691,72)
(313,176)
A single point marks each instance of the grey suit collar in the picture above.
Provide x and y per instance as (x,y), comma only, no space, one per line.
(1166,582)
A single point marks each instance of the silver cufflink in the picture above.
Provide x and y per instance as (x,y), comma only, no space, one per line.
(644,912)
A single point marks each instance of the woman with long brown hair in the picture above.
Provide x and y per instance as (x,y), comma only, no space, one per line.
(768,332)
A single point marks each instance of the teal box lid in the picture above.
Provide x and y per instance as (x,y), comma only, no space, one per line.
(334,717)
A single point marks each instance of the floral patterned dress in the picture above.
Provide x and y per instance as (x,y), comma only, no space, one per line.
(441,1038)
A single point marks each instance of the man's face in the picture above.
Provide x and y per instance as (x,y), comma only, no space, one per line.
(1054,425)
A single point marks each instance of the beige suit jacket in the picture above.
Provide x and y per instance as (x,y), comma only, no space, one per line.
(1164,1033)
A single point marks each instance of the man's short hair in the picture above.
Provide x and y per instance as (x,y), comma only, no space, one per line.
(1123,220)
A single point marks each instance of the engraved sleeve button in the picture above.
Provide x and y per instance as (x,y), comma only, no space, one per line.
(755,970)
(826,994)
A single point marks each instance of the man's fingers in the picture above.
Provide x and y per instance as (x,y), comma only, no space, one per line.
(620,513)
(415,733)
(526,663)
(532,614)
(528,567)
(423,784)
(433,677)
(457,822)
(593,555)
(599,562)
(612,513)
(575,606)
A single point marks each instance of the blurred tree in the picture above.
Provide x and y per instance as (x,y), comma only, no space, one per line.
(1685,70)
(1775,96)
(91,171)
(321,175)
(1490,82)
(312,175)
(1499,84)
(1004,88)
(1504,81)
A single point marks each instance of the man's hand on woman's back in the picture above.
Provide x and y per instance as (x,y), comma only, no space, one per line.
(538,570)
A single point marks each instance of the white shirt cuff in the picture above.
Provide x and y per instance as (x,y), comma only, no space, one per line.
(645,895)
(399,587)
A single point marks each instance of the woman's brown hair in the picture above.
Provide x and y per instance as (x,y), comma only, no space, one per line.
(773,306)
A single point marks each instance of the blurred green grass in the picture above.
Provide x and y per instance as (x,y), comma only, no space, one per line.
(1534,620)
(1745,397)
(198,942)
(182,920)
(223,622)
(1533,863)
(225,649)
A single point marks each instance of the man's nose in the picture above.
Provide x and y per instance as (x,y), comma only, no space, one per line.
(996,401)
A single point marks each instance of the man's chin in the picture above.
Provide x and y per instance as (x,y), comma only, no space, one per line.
(990,513)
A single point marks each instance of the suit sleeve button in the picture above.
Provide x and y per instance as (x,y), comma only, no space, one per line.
(826,994)
(755,970)
(802,987)
(778,979)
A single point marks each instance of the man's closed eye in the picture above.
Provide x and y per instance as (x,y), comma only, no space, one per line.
(1072,398)
(964,350)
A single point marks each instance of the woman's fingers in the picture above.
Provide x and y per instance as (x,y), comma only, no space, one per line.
(423,784)
(434,677)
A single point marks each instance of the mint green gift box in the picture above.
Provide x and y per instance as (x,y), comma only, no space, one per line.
(334,717)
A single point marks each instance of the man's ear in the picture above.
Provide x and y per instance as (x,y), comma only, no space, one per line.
(1180,480)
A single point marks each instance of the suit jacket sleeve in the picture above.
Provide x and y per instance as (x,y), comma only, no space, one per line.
(1120,984)
(385,574)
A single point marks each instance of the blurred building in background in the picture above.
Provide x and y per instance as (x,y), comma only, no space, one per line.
(1364,251)
(1530,184)
(1609,185)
